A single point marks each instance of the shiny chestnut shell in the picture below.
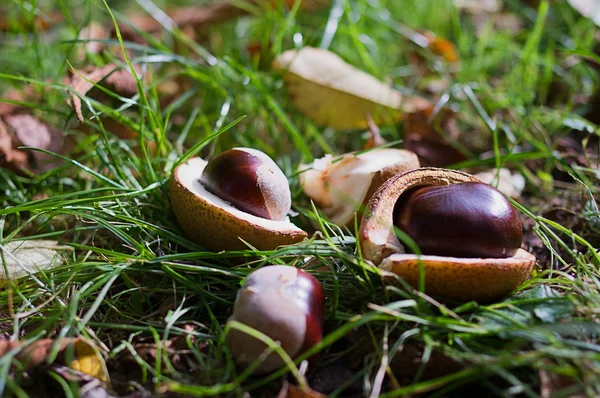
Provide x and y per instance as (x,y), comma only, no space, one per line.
(469,219)
(249,180)
(284,303)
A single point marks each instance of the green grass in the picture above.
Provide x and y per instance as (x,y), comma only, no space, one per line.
(134,274)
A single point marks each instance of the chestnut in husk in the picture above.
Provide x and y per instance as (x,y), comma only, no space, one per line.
(469,235)
(469,219)
(249,180)
(240,198)
(284,303)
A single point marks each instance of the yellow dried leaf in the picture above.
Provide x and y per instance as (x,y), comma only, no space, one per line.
(333,93)
(87,360)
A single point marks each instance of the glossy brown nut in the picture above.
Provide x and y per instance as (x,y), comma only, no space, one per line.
(250,181)
(470,219)
(284,303)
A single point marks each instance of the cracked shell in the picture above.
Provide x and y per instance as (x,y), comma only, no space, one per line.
(215,223)
(455,278)
(340,188)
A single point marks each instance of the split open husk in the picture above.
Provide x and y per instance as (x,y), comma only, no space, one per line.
(215,223)
(342,187)
(461,279)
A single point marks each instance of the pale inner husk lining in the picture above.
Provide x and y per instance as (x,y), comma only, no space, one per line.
(189,174)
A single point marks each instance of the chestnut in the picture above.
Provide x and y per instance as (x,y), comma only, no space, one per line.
(458,222)
(471,219)
(284,303)
(251,181)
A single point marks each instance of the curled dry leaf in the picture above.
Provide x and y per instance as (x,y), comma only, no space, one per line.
(119,80)
(10,157)
(26,130)
(340,188)
(84,356)
(511,185)
(333,93)
(31,256)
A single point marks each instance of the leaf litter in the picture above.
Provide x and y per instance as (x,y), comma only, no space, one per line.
(410,357)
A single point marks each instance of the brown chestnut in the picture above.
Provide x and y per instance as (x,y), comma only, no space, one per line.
(249,180)
(284,303)
(469,219)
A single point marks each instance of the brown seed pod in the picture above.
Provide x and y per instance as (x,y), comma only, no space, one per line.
(233,202)
(458,278)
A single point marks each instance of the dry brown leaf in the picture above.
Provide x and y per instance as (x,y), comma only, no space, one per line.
(10,158)
(92,34)
(441,46)
(29,131)
(7,108)
(333,93)
(199,17)
(121,81)
(86,359)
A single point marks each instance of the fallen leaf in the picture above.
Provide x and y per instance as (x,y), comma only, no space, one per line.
(509,184)
(119,80)
(29,131)
(7,108)
(31,256)
(37,353)
(588,8)
(10,157)
(92,35)
(441,46)
(333,93)
(199,17)
(87,360)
